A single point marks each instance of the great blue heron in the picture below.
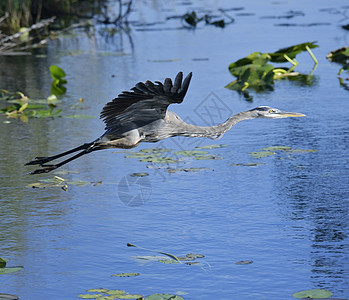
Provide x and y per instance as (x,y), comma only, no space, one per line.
(142,116)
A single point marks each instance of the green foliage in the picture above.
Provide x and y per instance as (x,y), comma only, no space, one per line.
(256,71)
(57,86)
(280,55)
(106,294)
(2,263)
(6,270)
(317,293)
(340,56)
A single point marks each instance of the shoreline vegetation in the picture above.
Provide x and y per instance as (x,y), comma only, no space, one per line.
(28,24)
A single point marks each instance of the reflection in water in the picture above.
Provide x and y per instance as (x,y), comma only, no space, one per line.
(317,194)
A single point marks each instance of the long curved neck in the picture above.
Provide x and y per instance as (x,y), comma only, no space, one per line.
(217,130)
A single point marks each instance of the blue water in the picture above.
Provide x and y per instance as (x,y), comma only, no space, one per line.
(289,215)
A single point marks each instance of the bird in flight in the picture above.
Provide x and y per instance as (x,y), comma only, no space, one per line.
(141,115)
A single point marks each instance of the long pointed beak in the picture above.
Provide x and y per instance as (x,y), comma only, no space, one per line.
(286,114)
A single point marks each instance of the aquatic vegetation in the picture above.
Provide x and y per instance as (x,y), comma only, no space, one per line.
(160,252)
(192,19)
(268,151)
(5,270)
(23,107)
(57,181)
(311,294)
(106,294)
(340,56)
(255,71)
(57,86)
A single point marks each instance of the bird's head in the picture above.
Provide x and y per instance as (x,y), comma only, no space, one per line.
(273,113)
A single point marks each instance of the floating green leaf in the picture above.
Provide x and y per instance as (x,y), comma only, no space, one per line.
(301,150)
(168,261)
(276,148)
(189,152)
(174,170)
(115,292)
(159,160)
(316,293)
(143,174)
(90,296)
(2,263)
(155,150)
(206,157)
(164,253)
(244,262)
(130,296)
(10,270)
(101,290)
(126,274)
(194,256)
(261,154)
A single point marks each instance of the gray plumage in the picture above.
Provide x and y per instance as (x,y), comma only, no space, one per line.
(141,115)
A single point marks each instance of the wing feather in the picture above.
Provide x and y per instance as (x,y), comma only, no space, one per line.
(145,103)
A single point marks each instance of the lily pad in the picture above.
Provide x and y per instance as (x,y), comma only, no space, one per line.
(168,261)
(316,293)
(193,255)
(160,160)
(276,148)
(262,154)
(126,274)
(130,296)
(90,296)
(206,157)
(101,290)
(244,262)
(115,292)
(10,270)
(190,152)
(142,174)
(173,170)
(143,155)
(155,150)
(301,151)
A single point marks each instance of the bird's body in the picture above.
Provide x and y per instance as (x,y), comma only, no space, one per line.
(142,116)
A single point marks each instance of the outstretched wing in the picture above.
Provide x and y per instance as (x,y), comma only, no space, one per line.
(146,102)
